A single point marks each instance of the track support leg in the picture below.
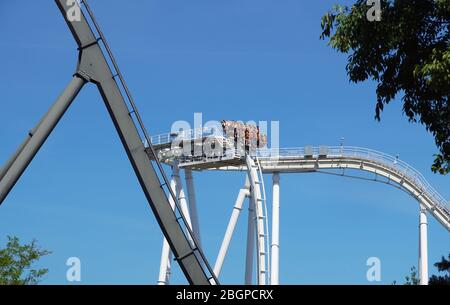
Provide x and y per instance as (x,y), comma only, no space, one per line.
(166,253)
(189,178)
(275,247)
(423,247)
(17,164)
(243,193)
(250,242)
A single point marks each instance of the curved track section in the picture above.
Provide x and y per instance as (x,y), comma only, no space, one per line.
(261,217)
(315,159)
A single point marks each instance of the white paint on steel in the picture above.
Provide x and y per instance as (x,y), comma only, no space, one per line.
(261,250)
(182,198)
(397,172)
(275,246)
(266,218)
(250,251)
(243,193)
(343,158)
(192,204)
(423,247)
(166,253)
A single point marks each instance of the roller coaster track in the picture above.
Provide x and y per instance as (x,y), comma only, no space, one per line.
(262,235)
(97,65)
(317,159)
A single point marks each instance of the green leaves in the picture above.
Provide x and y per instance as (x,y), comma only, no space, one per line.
(16,262)
(442,266)
(413,278)
(440,165)
(327,24)
(407,53)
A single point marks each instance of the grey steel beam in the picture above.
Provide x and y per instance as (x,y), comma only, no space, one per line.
(11,160)
(94,66)
(15,167)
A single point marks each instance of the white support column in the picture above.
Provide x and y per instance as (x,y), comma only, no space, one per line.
(182,197)
(423,247)
(165,268)
(192,204)
(275,260)
(177,188)
(243,193)
(250,243)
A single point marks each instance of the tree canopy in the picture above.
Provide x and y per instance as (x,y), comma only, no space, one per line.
(16,262)
(443,267)
(406,53)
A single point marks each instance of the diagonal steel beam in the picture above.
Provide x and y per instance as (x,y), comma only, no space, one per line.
(93,66)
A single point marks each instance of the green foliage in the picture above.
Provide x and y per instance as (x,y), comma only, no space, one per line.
(412,278)
(442,266)
(16,262)
(407,53)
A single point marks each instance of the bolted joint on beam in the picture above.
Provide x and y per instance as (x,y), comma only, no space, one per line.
(89,44)
(81,74)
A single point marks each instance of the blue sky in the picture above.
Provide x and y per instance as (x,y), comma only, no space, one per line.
(237,60)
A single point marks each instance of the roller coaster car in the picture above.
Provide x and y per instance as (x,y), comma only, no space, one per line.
(247,134)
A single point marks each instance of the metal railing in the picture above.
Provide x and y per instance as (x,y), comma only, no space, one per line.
(146,139)
(190,134)
(392,163)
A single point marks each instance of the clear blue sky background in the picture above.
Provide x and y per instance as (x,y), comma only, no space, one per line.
(234,59)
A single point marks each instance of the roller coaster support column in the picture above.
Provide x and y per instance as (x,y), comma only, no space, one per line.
(243,193)
(166,253)
(275,263)
(423,247)
(182,197)
(15,167)
(96,64)
(192,204)
(250,242)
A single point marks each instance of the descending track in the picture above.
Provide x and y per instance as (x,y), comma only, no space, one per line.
(257,182)
(317,159)
(97,65)
(338,160)
(395,171)
(176,214)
